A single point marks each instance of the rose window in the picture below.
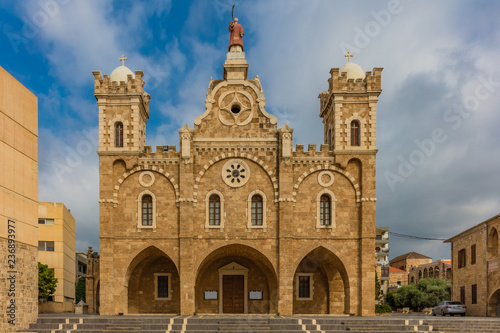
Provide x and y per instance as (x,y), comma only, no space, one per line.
(235,173)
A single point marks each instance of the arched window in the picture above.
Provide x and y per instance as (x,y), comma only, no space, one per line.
(257,216)
(324,210)
(147,210)
(419,275)
(118,135)
(214,209)
(436,272)
(431,272)
(425,273)
(355,133)
(493,244)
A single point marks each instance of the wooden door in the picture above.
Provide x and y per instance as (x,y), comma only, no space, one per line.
(233,294)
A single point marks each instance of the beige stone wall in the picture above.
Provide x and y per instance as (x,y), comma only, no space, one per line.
(18,200)
(484,273)
(62,259)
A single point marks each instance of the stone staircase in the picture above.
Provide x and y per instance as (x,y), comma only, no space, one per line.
(257,324)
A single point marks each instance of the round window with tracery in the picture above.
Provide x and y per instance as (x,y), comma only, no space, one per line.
(235,173)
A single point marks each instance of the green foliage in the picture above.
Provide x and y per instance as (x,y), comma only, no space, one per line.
(427,293)
(377,287)
(383,308)
(47,283)
(80,290)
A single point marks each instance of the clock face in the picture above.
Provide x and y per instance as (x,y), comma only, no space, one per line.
(235,173)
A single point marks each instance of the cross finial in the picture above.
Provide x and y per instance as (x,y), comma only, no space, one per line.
(122,59)
(349,55)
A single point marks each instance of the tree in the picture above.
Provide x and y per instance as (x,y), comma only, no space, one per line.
(47,283)
(427,293)
(80,290)
(377,287)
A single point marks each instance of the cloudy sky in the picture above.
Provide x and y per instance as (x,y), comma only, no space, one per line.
(438,115)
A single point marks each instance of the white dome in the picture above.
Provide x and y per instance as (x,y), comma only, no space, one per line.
(120,74)
(353,71)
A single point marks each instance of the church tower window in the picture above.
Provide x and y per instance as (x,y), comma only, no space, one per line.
(257,210)
(147,210)
(355,133)
(325,217)
(325,210)
(119,135)
(214,210)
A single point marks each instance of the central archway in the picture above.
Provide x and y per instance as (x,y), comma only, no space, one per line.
(236,279)
(153,283)
(321,284)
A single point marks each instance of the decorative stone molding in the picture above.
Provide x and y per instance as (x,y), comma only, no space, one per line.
(170,290)
(228,117)
(346,174)
(146,179)
(362,130)
(235,173)
(311,287)
(325,178)
(233,269)
(139,211)
(207,211)
(223,156)
(111,132)
(332,211)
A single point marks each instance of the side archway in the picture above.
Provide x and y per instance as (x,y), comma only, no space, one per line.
(321,284)
(494,304)
(236,278)
(153,283)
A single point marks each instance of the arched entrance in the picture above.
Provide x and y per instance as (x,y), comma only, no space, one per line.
(153,283)
(236,279)
(494,304)
(320,284)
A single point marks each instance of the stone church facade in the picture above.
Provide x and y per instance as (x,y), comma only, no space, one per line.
(236,220)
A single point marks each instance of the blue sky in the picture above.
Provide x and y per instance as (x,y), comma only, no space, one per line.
(438,138)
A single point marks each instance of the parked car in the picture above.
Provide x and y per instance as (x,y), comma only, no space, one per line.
(449,307)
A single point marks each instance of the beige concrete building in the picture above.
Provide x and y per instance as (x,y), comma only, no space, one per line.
(397,278)
(18,204)
(476,275)
(56,248)
(408,260)
(439,269)
(236,220)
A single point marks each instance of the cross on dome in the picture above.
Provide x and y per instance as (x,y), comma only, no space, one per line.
(349,55)
(122,59)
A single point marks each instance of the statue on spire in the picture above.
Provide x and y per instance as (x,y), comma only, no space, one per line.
(236,37)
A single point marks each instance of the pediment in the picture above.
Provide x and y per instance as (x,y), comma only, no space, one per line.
(234,266)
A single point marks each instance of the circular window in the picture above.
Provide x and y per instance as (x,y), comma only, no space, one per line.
(325,178)
(235,109)
(235,173)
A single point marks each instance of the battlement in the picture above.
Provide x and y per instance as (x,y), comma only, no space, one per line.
(168,151)
(103,84)
(372,81)
(311,151)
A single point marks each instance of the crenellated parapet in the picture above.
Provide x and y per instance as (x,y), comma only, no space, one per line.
(104,85)
(340,81)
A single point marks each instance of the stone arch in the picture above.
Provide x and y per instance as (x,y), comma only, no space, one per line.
(436,272)
(140,282)
(346,174)
(425,273)
(328,276)
(236,154)
(493,244)
(431,272)
(261,276)
(153,168)
(362,131)
(494,304)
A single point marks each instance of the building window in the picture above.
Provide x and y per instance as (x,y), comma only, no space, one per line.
(436,272)
(256,210)
(305,286)
(324,214)
(473,254)
(214,209)
(419,275)
(462,295)
(147,210)
(46,221)
(46,246)
(474,293)
(162,286)
(119,135)
(355,133)
(431,272)
(425,273)
(385,272)
(461,258)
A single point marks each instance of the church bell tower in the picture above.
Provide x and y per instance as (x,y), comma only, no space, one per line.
(349,108)
(123,110)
